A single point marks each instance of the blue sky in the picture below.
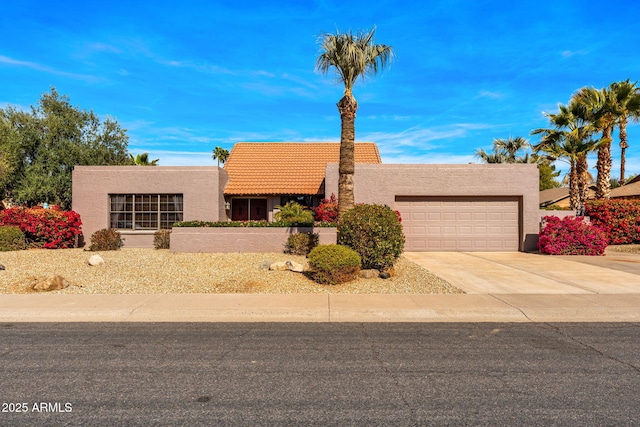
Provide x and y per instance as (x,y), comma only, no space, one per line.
(185,77)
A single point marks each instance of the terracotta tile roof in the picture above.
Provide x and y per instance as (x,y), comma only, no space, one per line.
(261,168)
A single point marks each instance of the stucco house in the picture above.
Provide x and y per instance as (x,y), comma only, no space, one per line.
(474,207)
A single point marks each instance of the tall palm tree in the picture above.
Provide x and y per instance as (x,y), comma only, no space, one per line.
(220,154)
(599,108)
(352,56)
(143,160)
(627,98)
(571,138)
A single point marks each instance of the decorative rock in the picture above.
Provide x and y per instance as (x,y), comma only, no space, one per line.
(2,267)
(294,266)
(54,283)
(369,274)
(278,266)
(265,265)
(385,275)
(96,260)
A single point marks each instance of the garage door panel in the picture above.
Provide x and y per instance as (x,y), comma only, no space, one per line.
(460,223)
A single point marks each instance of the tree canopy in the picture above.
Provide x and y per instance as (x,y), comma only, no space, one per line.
(39,148)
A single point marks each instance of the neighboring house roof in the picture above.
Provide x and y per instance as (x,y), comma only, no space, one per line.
(630,190)
(560,196)
(263,168)
(552,196)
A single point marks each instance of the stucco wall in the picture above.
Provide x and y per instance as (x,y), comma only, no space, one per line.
(241,239)
(201,186)
(382,183)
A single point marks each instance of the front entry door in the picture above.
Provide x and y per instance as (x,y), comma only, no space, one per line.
(249,209)
(258,209)
(240,210)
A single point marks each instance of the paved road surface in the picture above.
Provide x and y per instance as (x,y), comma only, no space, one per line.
(105,374)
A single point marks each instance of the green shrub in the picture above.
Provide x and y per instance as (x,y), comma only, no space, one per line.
(374,232)
(301,243)
(106,239)
(162,239)
(294,213)
(334,264)
(11,239)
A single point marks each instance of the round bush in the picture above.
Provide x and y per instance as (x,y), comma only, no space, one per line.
(301,243)
(11,238)
(374,232)
(106,239)
(162,239)
(571,236)
(334,264)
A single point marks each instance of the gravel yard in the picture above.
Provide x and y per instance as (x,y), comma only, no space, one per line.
(151,271)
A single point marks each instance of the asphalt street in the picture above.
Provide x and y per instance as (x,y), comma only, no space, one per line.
(192,374)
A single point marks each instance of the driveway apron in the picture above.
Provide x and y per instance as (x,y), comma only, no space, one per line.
(524,273)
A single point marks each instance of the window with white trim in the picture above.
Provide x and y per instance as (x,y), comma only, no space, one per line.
(144,211)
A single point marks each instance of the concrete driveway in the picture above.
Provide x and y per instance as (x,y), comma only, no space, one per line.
(527,273)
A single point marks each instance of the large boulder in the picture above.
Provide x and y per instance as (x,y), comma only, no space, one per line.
(294,266)
(54,283)
(278,266)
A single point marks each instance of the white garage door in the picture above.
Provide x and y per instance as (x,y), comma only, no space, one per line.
(460,223)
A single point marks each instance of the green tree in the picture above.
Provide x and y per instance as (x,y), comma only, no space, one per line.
(220,154)
(547,171)
(143,160)
(352,56)
(570,138)
(43,145)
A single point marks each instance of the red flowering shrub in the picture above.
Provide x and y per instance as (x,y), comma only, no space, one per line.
(620,219)
(327,211)
(48,228)
(571,236)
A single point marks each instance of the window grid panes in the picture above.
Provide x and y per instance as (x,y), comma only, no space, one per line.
(145,211)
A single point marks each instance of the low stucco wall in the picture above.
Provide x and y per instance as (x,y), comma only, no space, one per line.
(240,239)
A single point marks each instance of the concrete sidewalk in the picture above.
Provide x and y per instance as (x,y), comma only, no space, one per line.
(321,308)
(500,287)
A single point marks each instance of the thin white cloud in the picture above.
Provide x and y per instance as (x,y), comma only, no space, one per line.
(44,68)
(490,94)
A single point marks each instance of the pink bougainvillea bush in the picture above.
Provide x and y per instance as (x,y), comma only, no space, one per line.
(620,219)
(327,211)
(571,236)
(48,228)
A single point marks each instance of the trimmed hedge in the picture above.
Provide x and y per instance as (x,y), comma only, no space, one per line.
(374,232)
(236,224)
(334,264)
(571,236)
(620,219)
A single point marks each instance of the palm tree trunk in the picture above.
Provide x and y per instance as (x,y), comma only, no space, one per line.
(582,169)
(574,202)
(603,166)
(623,147)
(347,107)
